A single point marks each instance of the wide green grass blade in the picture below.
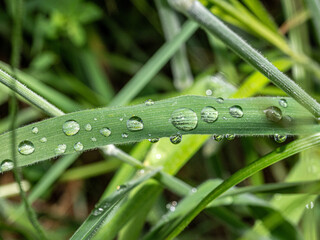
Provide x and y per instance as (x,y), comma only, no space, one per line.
(101,212)
(253,122)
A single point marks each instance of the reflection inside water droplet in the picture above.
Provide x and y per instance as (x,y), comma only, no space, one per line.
(71,128)
(209,114)
(135,124)
(184,119)
(26,147)
(236,111)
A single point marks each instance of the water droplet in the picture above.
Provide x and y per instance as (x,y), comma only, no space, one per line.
(184,119)
(149,102)
(236,111)
(134,124)
(273,114)
(230,136)
(175,139)
(71,127)
(43,140)
(218,138)
(172,206)
(26,147)
(93,139)
(34,130)
(121,187)
(158,156)
(95,119)
(208,92)
(219,100)
(310,206)
(105,131)
(78,146)
(280,138)
(153,140)
(194,190)
(97,211)
(121,119)
(283,103)
(209,114)
(60,149)
(124,135)
(6,165)
(88,127)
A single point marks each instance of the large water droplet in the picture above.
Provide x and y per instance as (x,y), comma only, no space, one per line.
(34,130)
(273,114)
(283,103)
(153,140)
(26,147)
(280,138)
(88,127)
(209,114)
(134,124)
(6,165)
(230,136)
(184,119)
(60,149)
(105,131)
(236,111)
(218,138)
(43,140)
(124,135)
(219,100)
(71,127)
(149,102)
(78,146)
(175,139)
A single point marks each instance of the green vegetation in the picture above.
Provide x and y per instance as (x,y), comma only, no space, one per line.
(159,119)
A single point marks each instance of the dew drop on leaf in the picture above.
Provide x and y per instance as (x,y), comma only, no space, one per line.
(209,114)
(43,140)
(26,147)
(60,149)
(71,128)
(135,124)
(78,146)
(88,127)
(153,140)
(230,136)
(149,102)
(105,131)
(219,100)
(283,103)
(93,139)
(273,114)
(184,119)
(6,165)
(124,135)
(97,211)
(121,187)
(34,130)
(236,111)
(218,138)
(175,139)
(280,138)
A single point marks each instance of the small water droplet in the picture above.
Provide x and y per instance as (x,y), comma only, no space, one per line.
(149,102)
(219,100)
(218,138)
(280,138)
(121,119)
(97,211)
(105,131)
(95,119)
(26,147)
(208,92)
(172,206)
(158,156)
(6,165)
(209,114)
(273,114)
(121,187)
(43,140)
(60,149)
(34,130)
(78,146)
(236,111)
(310,206)
(230,136)
(124,135)
(71,128)
(93,139)
(88,127)
(283,103)
(134,124)
(153,140)
(184,119)
(194,190)
(175,139)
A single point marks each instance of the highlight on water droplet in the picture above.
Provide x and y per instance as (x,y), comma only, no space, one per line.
(71,128)
(149,102)
(283,103)
(88,127)
(218,138)
(6,165)
(78,146)
(280,138)
(219,100)
(43,140)
(184,119)
(135,124)
(124,135)
(34,130)
(97,211)
(60,149)
(273,114)
(25,147)
(176,138)
(105,131)
(230,136)
(153,140)
(209,114)
(236,111)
